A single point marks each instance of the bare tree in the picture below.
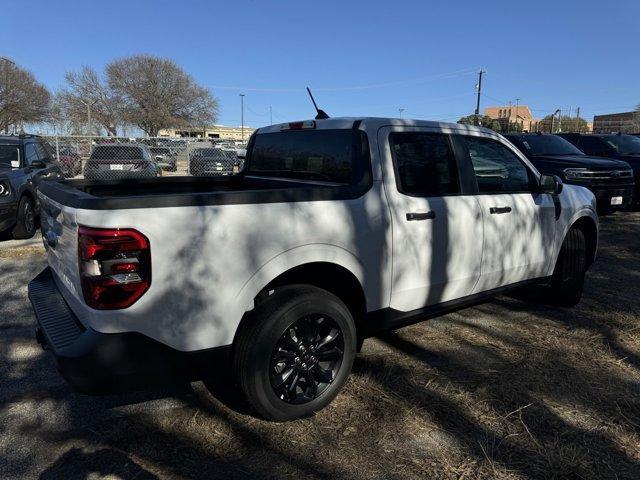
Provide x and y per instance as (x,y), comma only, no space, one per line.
(156,93)
(88,100)
(22,98)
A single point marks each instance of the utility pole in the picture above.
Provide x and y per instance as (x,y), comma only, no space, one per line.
(270,115)
(400,110)
(242,115)
(5,90)
(517,105)
(578,119)
(480,73)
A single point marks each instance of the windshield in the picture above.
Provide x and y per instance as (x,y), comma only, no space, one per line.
(309,154)
(9,154)
(545,145)
(624,144)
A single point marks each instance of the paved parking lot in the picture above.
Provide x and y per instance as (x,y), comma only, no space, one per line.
(509,389)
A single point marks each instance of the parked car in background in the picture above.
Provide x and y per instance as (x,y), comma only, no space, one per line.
(25,162)
(70,161)
(121,161)
(165,158)
(212,161)
(610,180)
(618,146)
(336,230)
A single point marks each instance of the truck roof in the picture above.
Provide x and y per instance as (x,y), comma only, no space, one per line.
(377,122)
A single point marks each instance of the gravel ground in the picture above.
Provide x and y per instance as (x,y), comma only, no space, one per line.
(510,389)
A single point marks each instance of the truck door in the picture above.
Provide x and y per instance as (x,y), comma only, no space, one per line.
(437,230)
(519,222)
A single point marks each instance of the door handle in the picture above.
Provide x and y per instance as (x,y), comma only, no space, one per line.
(421,216)
(498,210)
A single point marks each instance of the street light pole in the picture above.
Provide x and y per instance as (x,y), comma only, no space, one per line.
(517,102)
(553,116)
(88,105)
(400,110)
(242,115)
(270,115)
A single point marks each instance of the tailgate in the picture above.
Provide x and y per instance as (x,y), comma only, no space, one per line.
(60,237)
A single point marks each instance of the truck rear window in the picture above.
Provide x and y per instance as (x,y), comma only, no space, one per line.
(116,152)
(325,155)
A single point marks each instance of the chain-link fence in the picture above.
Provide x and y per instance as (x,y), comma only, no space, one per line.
(116,158)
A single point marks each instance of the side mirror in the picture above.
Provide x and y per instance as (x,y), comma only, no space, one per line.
(38,164)
(551,184)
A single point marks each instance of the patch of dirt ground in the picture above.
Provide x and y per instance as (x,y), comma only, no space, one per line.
(510,389)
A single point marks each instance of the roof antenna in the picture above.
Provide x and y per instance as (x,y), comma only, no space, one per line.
(321,113)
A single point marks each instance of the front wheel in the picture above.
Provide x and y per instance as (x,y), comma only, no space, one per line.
(567,281)
(294,353)
(26,219)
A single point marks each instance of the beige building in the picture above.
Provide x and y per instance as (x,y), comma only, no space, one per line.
(625,122)
(514,114)
(216,131)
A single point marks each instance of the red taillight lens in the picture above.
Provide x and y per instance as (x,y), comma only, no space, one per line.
(115,266)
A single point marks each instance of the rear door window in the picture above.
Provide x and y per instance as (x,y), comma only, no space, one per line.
(325,155)
(425,164)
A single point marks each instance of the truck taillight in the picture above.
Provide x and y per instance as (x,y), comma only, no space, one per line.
(115,266)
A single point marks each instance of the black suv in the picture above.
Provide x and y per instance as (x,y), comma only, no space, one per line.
(611,181)
(611,145)
(25,161)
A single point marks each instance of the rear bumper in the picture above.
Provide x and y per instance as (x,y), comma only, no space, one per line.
(99,363)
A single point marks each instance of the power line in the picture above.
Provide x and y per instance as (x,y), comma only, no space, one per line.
(418,80)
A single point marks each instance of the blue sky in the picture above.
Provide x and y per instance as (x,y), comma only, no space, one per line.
(359,58)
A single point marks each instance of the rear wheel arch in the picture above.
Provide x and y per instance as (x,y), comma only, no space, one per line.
(334,278)
(331,277)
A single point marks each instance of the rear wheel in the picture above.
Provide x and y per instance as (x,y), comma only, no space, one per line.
(26,219)
(567,281)
(294,353)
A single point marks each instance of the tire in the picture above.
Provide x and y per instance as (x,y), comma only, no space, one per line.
(567,281)
(265,342)
(26,219)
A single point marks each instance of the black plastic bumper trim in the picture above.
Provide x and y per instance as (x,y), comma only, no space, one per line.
(99,363)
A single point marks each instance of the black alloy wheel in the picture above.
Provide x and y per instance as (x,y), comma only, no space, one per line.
(306,359)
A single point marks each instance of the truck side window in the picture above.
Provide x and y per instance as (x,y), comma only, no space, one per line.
(30,153)
(425,164)
(42,153)
(497,169)
(594,146)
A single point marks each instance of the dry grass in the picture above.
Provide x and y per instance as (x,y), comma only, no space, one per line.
(511,389)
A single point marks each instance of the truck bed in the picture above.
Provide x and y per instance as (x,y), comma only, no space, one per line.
(190,191)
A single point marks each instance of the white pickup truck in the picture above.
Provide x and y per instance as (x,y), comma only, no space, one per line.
(335,229)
